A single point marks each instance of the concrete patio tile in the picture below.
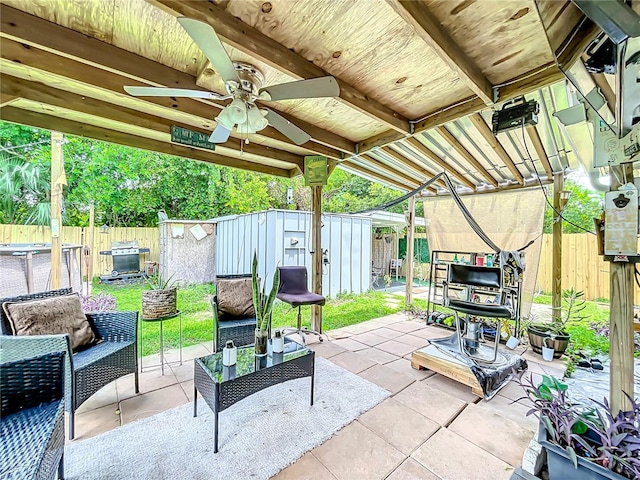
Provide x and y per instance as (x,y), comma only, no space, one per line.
(412,470)
(396,348)
(496,434)
(406,326)
(399,425)
(451,457)
(512,390)
(350,345)
(352,361)
(94,422)
(327,349)
(372,353)
(105,396)
(557,364)
(355,453)
(369,338)
(152,403)
(183,372)
(387,378)
(431,402)
(548,369)
(447,385)
(403,365)
(187,388)
(307,467)
(149,381)
(387,333)
(514,411)
(189,353)
(414,341)
(430,332)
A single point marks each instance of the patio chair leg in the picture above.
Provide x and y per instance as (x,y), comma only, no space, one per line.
(71,425)
(137,383)
(61,468)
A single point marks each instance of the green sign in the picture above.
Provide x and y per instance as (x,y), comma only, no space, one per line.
(191,138)
(315,170)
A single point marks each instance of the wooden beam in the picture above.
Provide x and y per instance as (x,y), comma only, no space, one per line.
(263,48)
(128,68)
(389,171)
(350,165)
(58,181)
(573,47)
(462,151)
(539,148)
(429,29)
(422,149)
(7,99)
(556,261)
(316,264)
(408,297)
(48,122)
(90,106)
(407,163)
(487,134)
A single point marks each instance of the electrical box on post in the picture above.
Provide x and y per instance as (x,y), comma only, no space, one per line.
(621,222)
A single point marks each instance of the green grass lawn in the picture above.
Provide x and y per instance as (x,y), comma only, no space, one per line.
(197,316)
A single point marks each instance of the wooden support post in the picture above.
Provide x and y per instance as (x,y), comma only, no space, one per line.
(57,181)
(89,244)
(408,298)
(621,322)
(316,259)
(556,294)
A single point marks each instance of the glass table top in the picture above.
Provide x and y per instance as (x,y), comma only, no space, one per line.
(247,361)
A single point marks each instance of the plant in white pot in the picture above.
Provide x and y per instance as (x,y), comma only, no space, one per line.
(161,299)
(263,305)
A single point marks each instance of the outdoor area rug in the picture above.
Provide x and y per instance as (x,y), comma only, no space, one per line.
(258,436)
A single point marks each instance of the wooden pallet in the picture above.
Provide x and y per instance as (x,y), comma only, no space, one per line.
(433,359)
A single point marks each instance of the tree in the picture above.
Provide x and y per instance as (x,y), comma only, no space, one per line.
(584,205)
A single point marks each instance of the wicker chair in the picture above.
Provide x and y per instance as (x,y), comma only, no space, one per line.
(32,425)
(86,371)
(226,327)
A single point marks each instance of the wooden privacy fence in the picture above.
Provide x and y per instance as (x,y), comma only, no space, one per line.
(582,267)
(102,265)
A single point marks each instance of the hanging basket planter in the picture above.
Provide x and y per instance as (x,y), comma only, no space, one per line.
(159,303)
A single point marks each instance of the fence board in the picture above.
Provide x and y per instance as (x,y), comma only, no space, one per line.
(146,237)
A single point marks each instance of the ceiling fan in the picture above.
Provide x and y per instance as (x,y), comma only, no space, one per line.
(243,83)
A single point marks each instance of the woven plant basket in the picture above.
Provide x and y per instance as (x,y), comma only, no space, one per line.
(159,303)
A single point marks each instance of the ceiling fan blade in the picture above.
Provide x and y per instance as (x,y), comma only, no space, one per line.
(312,88)
(207,40)
(220,134)
(294,133)
(171,92)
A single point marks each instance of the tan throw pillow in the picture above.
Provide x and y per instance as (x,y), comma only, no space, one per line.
(235,298)
(49,316)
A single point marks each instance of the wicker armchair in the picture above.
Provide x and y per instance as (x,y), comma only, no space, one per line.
(32,424)
(86,371)
(226,327)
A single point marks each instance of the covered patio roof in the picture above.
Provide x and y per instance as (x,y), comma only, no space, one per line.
(417,81)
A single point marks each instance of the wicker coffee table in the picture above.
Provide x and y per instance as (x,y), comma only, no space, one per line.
(222,386)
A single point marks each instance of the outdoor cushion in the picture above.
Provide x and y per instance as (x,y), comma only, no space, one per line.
(48,316)
(235,298)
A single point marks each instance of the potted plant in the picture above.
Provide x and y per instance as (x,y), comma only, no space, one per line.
(263,304)
(161,299)
(585,442)
(556,330)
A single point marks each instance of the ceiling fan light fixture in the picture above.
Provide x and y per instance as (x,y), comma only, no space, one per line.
(256,120)
(237,111)
(224,119)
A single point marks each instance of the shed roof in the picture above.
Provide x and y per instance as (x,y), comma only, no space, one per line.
(418,80)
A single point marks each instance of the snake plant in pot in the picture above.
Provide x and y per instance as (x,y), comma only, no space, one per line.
(584,441)
(263,304)
(161,298)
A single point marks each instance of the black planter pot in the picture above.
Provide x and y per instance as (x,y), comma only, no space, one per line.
(561,467)
(537,334)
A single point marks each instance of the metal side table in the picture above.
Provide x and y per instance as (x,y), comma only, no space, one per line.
(162,320)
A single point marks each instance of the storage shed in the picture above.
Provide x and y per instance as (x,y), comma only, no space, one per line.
(187,250)
(283,237)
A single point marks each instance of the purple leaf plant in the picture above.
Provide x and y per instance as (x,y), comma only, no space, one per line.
(103,302)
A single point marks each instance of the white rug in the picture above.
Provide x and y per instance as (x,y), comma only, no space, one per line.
(258,436)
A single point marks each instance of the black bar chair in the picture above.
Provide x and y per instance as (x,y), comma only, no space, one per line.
(293,290)
(468,329)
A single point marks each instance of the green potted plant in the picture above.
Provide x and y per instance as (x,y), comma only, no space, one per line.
(584,441)
(556,330)
(161,298)
(263,304)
